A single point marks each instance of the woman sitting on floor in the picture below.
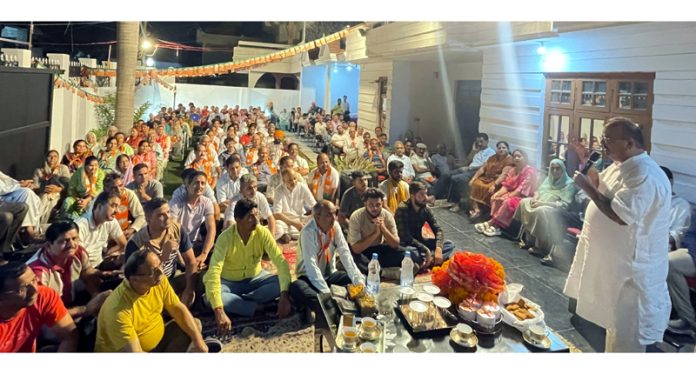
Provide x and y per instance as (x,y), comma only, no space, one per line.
(49,182)
(541,216)
(124,166)
(74,160)
(85,185)
(519,182)
(488,177)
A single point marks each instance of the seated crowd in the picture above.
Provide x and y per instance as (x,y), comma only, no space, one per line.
(114,254)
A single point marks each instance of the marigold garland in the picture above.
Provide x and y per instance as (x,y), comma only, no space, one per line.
(470,275)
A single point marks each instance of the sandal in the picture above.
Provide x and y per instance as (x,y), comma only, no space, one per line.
(492,231)
(473,214)
(482,227)
(523,244)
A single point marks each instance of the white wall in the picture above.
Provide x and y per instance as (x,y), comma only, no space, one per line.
(72,117)
(513,88)
(423,100)
(242,96)
(367,111)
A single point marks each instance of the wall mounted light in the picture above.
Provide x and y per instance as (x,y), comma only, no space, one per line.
(541,49)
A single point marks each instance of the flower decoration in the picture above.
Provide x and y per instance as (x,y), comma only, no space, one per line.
(470,275)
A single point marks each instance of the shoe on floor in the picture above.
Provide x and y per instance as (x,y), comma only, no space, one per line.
(481,227)
(679,327)
(547,261)
(535,251)
(455,208)
(523,244)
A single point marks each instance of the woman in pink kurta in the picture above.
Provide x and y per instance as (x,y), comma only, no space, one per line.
(520,182)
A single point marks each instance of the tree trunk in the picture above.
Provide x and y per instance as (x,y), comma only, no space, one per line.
(128,39)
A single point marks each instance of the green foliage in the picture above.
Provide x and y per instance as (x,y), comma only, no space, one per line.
(106,114)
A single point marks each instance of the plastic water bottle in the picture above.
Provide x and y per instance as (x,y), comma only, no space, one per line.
(373,270)
(407,270)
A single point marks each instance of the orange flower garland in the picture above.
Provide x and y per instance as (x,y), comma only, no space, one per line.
(468,275)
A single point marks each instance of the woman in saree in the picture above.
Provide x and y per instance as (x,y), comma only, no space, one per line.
(519,183)
(124,166)
(73,160)
(542,215)
(488,177)
(85,184)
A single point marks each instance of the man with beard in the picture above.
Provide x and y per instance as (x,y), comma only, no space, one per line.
(410,217)
(324,180)
(395,189)
(372,230)
(352,199)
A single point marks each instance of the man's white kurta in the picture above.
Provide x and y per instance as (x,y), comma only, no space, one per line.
(610,258)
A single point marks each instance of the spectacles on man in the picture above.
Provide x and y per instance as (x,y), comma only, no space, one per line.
(607,140)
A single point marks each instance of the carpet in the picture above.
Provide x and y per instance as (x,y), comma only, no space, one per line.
(286,336)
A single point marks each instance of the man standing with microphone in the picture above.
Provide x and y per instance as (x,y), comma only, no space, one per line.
(619,272)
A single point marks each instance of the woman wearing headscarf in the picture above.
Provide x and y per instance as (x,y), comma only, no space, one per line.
(519,182)
(92,143)
(124,166)
(541,216)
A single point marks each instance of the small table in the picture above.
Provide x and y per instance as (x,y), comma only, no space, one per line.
(398,339)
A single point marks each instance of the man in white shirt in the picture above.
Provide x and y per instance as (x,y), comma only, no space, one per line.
(292,201)
(355,145)
(459,178)
(286,162)
(320,240)
(398,154)
(346,108)
(229,185)
(248,186)
(193,210)
(129,214)
(324,180)
(619,274)
(12,191)
(99,225)
(339,140)
(301,165)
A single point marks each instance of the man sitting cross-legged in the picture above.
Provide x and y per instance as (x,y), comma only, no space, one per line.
(293,201)
(410,218)
(165,237)
(131,318)
(248,188)
(144,186)
(352,199)
(235,282)
(372,230)
(129,214)
(25,306)
(320,240)
(395,189)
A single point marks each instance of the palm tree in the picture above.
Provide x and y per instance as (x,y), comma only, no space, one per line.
(128,40)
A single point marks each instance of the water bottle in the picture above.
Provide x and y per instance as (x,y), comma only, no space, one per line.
(407,270)
(373,275)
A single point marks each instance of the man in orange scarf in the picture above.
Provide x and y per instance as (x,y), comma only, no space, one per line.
(394,188)
(324,179)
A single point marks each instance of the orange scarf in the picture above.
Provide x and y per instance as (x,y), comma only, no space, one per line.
(90,184)
(206,167)
(250,155)
(269,162)
(324,247)
(122,212)
(328,184)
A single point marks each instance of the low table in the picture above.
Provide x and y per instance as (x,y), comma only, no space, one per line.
(398,339)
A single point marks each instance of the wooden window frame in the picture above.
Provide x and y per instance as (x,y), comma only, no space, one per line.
(577,111)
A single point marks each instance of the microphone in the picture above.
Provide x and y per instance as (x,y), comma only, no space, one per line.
(593,158)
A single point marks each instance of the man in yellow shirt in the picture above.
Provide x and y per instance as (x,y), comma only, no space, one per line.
(235,282)
(131,318)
